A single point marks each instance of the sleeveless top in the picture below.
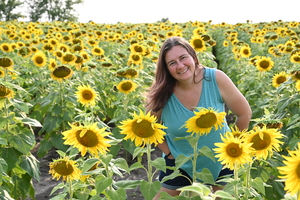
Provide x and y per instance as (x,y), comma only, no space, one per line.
(175,114)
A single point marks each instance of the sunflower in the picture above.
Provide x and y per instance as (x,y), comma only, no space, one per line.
(39,59)
(135,58)
(61,72)
(5,92)
(68,58)
(279,78)
(6,63)
(264,63)
(264,141)
(138,49)
(52,64)
(86,95)
(198,44)
(87,138)
(245,51)
(5,47)
(143,129)
(97,51)
(204,121)
(48,47)
(295,58)
(24,51)
(131,73)
(65,168)
(126,86)
(233,151)
(291,171)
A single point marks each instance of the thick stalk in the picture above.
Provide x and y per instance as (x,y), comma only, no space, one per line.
(236,177)
(149,171)
(70,188)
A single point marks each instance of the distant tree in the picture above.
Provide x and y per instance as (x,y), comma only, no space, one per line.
(6,10)
(52,10)
(164,19)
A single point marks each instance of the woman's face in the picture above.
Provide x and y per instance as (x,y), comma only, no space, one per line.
(180,63)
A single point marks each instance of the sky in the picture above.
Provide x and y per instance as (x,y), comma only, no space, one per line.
(228,11)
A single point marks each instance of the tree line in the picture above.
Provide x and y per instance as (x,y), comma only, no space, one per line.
(36,10)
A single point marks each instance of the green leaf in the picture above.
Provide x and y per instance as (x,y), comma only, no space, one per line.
(102,184)
(82,195)
(159,163)
(207,152)
(128,184)
(258,184)
(23,141)
(121,163)
(31,165)
(192,140)
(138,151)
(206,176)
(223,195)
(181,159)
(136,165)
(149,190)
(11,156)
(119,194)
(3,122)
(21,105)
(3,141)
(106,158)
(88,164)
(31,122)
(198,188)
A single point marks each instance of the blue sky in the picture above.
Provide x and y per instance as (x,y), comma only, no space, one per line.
(229,11)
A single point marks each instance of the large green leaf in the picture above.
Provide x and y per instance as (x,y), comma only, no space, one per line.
(206,176)
(11,156)
(102,183)
(23,141)
(119,194)
(149,190)
(31,165)
(206,151)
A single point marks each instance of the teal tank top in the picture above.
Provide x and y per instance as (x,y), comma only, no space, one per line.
(174,115)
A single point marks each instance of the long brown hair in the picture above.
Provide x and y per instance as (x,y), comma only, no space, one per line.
(164,83)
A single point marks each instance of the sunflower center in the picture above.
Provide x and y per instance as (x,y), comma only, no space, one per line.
(142,129)
(87,95)
(68,58)
(39,59)
(259,143)
(281,79)
(136,57)
(264,64)
(234,150)
(138,49)
(207,120)
(63,168)
(198,43)
(89,139)
(126,86)
(5,62)
(61,72)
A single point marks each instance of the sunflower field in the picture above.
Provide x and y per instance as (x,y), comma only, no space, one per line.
(80,88)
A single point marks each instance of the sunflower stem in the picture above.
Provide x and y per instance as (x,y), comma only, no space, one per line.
(149,171)
(70,188)
(194,161)
(236,177)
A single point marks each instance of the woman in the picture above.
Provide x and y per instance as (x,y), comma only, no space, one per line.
(182,84)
